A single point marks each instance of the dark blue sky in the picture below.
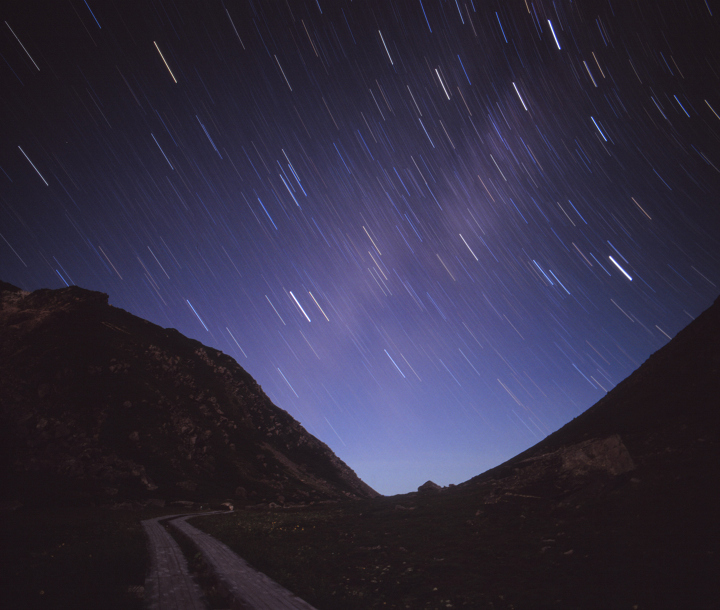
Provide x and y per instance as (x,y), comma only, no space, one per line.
(433,231)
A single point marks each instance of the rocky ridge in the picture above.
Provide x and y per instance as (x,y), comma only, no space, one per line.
(99,405)
(660,423)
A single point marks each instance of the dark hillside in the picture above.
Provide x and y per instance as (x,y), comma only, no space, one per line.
(670,403)
(98,405)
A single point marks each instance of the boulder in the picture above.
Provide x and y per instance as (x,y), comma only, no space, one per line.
(429,486)
(187,485)
(601,454)
(183,503)
(586,468)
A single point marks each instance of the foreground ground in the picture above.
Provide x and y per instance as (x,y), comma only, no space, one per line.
(617,509)
(525,535)
(72,558)
(648,538)
(628,549)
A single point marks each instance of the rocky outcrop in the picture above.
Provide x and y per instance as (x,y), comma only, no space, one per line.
(665,414)
(99,403)
(429,486)
(589,466)
(607,455)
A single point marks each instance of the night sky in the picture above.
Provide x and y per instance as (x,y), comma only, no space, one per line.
(433,230)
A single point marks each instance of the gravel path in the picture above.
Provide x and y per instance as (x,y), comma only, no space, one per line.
(250,589)
(169,585)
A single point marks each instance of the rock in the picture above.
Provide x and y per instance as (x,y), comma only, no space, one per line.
(429,486)
(183,503)
(607,455)
(150,486)
(187,485)
(583,470)
(122,506)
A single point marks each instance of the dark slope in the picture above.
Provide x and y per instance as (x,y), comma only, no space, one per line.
(670,404)
(100,405)
(619,507)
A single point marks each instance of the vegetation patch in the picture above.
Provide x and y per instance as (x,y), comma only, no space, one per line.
(79,557)
(400,552)
(595,547)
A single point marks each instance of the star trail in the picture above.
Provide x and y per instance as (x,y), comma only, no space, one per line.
(433,230)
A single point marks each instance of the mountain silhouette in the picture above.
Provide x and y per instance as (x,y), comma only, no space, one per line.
(98,405)
(617,509)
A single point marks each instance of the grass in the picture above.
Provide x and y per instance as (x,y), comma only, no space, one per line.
(370,554)
(73,558)
(650,539)
(631,546)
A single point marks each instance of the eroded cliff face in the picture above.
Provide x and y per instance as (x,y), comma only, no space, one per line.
(100,405)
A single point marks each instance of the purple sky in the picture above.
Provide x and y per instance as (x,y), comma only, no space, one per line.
(433,231)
